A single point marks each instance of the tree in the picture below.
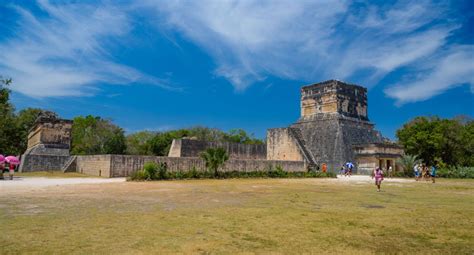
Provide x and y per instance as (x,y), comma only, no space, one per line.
(139,143)
(94,135)
(214,158)
(161,143)
(240,136)
(408,162)
(24,122)
(8,136)
(439,141)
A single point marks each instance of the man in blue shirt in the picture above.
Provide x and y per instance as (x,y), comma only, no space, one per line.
(433,173)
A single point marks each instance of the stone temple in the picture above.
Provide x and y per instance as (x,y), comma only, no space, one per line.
(333,128)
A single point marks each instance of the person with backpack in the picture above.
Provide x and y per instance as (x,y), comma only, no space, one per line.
(378,174)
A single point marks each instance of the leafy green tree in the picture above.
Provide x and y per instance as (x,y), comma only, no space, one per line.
(139,143)
(161,143)
(240,136)
(214,158)
(8,135)
(24,122)
(439,141)
(94,135)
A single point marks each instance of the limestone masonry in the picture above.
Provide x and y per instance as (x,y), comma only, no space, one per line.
(333,129)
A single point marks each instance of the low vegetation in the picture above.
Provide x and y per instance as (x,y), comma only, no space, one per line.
(153,171)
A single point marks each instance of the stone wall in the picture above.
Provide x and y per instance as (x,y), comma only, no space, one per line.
(193,148)
(281,146)
(124,165)
(97,165)
(33,163)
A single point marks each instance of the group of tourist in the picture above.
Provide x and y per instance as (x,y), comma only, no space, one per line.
(346,169)
(424,172)
(8,164)
(5,167)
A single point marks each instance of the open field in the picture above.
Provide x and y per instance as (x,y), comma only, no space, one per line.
(240,216)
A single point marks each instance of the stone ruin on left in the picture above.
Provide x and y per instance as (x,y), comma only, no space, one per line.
(49,142)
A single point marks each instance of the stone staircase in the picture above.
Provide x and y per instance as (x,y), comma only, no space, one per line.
(70,165)
(308,156)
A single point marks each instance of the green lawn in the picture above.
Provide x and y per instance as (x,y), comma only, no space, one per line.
(241,216)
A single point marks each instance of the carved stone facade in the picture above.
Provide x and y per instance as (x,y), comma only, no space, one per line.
(49,142)
(50,135)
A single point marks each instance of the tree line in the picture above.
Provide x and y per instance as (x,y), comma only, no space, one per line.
(96,135)
(439,141)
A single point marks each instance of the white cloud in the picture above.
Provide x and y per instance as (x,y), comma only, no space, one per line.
(310,40)
(64,50)
(452,69)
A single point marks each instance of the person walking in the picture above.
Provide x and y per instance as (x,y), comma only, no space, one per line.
(417,172)
(378,174)
(12,171)
(433,173)
(390,172)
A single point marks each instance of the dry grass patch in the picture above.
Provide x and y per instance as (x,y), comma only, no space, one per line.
(240,216)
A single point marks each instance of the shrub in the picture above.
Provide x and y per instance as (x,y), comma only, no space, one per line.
(162,172)
(277,172)
(214,158)
(150,169)
(456,172)
(138,176)
(408,162)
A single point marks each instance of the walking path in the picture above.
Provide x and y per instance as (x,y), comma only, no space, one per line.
(41,182)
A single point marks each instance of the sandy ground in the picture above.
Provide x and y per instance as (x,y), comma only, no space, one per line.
(19,184)
(28,183)
(367,178)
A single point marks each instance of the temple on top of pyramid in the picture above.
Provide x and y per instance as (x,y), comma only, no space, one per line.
(333,129)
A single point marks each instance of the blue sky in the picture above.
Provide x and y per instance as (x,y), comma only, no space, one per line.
(160,65)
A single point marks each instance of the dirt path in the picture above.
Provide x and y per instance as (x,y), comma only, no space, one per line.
(33,183)
(367,178)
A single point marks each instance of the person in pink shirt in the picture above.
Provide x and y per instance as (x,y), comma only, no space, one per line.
(378,174)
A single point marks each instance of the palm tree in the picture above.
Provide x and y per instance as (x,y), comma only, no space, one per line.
(214,158)
(408,162)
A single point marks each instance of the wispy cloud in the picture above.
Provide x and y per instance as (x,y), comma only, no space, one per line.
(64,50)
(453,68)
(311,40)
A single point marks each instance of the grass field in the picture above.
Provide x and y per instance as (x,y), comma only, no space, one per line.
(285,216)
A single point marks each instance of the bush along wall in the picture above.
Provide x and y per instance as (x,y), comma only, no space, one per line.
(456,172)
(152,171)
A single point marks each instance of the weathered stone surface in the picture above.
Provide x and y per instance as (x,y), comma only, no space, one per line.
(333,119)
(334,97)
(49,142)
(382,155)
(193,148)
(33,163)
(124,165)
(281,145)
